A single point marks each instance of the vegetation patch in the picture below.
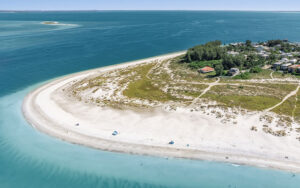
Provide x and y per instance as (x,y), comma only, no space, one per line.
(263,74)
(255,103)
(201,64)
(143,88)
(287,107)
(297,109)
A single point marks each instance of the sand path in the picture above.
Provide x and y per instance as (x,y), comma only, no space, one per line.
(210,85)
(271,75)
(284,99)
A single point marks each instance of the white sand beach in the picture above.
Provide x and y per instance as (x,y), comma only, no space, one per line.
(195,135)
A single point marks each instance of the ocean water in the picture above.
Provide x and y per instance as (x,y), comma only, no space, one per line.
(32,53)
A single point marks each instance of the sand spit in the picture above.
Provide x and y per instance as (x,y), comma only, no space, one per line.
(195,135)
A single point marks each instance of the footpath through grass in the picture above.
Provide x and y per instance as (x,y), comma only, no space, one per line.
(144,88)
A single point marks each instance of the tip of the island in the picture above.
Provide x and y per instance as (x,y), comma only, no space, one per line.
(236,102)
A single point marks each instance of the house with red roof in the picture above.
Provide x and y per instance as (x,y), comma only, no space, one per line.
(206,69)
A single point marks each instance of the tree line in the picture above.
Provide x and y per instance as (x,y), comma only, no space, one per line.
(215,51)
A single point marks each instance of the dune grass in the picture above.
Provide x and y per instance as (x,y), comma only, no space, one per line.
(248,96)
(297,109)
(247,102)
(287,107)
(264,74)
(144,88)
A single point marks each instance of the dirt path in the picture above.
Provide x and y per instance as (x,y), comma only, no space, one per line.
(285,98)
(271,75)
(168,70)
(210,85)
(157,64)
(293,113)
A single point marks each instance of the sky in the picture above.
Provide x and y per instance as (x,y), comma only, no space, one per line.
(267,5)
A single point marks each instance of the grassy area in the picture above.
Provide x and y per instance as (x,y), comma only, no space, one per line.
(297,109)
(249,96)
(264,74)
(287,107)
(190,90)
(243,76)
(143,88)
(281,75)
(246,102)
(279,90)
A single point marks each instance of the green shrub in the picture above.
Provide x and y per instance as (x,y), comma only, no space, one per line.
(201,64)
(243,76)
(255,69)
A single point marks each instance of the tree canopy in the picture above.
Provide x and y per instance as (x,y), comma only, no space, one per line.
(209,51)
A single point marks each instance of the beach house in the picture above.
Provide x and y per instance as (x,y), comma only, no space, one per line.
(293,61)
(277,64)
(233,53)
(294,68)
(285,60)
(206,69)
(285,66)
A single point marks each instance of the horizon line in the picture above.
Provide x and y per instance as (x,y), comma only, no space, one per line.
(90,10)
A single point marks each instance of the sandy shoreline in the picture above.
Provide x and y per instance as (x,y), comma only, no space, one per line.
(49,112)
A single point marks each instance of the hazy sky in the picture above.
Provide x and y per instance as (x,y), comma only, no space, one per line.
(288,5)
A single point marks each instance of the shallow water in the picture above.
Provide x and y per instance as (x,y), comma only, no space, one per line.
(31,53)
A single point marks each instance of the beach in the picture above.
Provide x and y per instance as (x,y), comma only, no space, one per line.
(195,136)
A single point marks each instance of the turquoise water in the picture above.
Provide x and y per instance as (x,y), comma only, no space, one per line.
(32,53)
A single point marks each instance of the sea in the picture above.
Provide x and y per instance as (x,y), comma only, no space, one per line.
(32,53)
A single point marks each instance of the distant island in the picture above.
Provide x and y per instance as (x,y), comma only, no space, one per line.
(236,103)
(50,23)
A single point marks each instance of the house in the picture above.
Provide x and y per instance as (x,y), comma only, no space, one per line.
(206,69)
(283,54)
(277,64)
(293,61)
(263,54)
(294,68)
(233,53)
(285,66)
(284,60)
(234,71)
(259,48)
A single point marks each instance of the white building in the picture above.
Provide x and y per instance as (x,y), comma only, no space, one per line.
(285,60)
(233,53)
(293,61)
(277,64)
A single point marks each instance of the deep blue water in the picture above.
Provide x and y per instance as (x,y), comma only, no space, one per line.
(32,53)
